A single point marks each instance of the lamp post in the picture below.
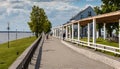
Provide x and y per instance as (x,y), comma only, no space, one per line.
(8,28)
(16,32)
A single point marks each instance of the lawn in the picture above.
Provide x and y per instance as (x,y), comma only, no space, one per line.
(9,55)
(102,41)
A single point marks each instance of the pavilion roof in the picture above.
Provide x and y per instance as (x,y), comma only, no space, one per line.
(103,18)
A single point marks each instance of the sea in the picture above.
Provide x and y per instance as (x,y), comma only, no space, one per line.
(13,35)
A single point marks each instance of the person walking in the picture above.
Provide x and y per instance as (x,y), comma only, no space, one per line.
(63,36)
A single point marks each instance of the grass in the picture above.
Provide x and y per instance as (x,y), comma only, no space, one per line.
(105,42)
(9,55)
(102,41)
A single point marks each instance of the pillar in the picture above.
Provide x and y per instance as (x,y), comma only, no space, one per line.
(55,32)
(69,31)
(94,31)
(104,26)
(66,32)
(78,31)
(88,34)
(72,32)
(62,32)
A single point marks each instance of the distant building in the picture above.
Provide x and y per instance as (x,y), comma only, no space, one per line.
(87,12)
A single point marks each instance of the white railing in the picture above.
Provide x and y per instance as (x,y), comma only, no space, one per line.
(102,47)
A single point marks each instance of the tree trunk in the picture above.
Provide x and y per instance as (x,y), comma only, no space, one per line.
(110,33)
(100,32)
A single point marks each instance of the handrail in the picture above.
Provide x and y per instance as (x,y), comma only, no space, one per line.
(23,60)
(114,50)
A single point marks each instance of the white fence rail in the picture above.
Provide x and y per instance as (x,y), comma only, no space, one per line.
(114,50)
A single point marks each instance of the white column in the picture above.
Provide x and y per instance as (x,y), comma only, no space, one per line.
(52,32)
(104,26)
(88,34)
(62,31)
(78,31)
(55,32)
(72,32)
(94,31)
(59,32)
(66,32)
(119,33)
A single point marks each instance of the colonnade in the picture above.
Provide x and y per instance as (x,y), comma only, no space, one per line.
(64,29)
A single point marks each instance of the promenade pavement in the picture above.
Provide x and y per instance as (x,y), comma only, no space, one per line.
(55,55)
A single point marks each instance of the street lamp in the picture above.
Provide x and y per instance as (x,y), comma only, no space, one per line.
(16,32)
(8,28)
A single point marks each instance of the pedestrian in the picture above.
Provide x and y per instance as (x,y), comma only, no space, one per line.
(63,36)
(46,36)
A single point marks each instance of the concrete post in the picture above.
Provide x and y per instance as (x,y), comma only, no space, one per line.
(72,32)
(59,32)
(94,31)
(66,32)
(78,31)
(62,31)
(55,32)
(88,34)
(69,31)
(104,26)
(119,33)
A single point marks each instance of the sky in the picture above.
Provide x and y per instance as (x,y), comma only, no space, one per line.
(17,12)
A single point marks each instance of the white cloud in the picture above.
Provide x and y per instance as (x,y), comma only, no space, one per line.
(18,11)
(90,0)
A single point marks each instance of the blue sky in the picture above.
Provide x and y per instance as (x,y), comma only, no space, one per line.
(17,12)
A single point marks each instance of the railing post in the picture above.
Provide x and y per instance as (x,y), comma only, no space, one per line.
(78,32)
(88,34)
(63,31)
(66,32)
(72,32)
(94,32)
(104,31)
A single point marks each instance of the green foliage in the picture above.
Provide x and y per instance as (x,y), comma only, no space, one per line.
(106,7)
(39,21)
(9,55)
(110,5)
(97,10)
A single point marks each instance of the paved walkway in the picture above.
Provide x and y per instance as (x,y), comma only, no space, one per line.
(56,55)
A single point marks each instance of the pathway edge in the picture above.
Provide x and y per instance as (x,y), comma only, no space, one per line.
(97,57)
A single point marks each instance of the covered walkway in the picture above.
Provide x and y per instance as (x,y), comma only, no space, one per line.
(68,29)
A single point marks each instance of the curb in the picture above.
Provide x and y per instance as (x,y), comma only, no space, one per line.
(113,63)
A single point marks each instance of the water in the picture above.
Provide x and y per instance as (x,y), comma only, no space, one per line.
(12,36)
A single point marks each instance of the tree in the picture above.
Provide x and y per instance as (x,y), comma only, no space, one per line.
(47,26)
(39,21)
(110,6)
(98,12)
(106,7)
